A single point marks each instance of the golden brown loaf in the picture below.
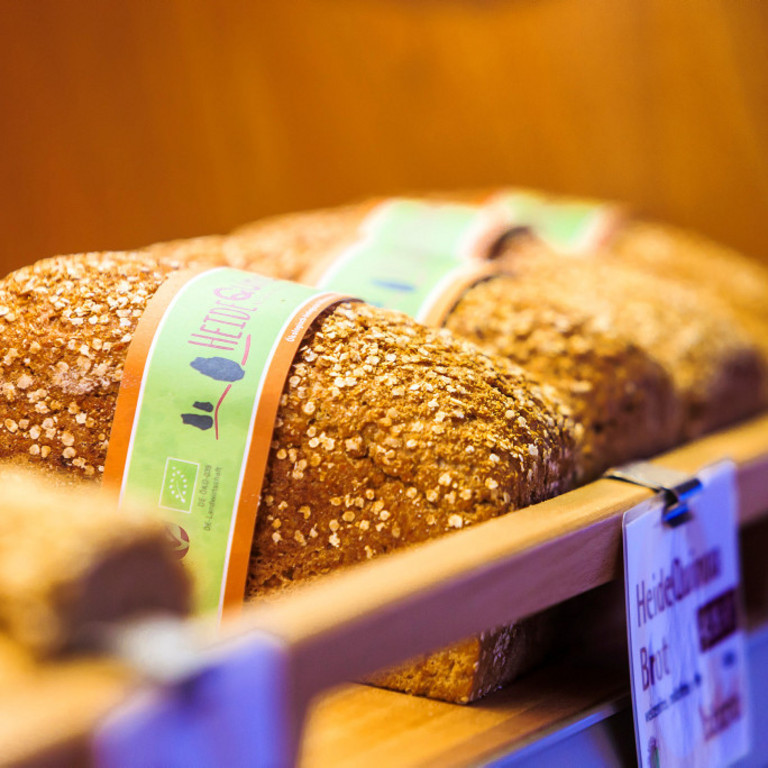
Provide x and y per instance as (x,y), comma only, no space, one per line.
(479,665)
(281,246)
(715,366)
(68,561)
(707,267)
(388,433)
(622,399)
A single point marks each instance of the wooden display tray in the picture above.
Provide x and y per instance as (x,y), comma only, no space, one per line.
(361,725)
(355,622)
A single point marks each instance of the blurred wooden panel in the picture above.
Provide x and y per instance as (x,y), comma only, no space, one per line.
(125,123)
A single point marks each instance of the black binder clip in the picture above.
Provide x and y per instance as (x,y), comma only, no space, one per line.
(676,487)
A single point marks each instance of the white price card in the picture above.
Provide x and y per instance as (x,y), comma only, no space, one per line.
(685,627)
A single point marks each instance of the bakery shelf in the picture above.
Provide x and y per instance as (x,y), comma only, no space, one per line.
(359,725)
(559,715)
(352,623)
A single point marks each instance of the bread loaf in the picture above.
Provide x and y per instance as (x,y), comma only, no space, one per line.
(713,270)
(474,667)
(388,433)
(68,562)
(715,366)
(622,399)
(281,246)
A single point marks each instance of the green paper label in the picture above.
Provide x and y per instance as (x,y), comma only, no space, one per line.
(412,254)
(206,391)
(567,227)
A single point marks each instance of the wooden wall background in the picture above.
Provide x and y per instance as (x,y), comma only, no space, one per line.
(122,123)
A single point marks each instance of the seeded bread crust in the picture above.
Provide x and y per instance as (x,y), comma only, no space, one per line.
(473,668)
(409,433)
(388,433)
(714,363)
(623,400)
(712,270)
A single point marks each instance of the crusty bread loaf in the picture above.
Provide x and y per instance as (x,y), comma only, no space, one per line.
(709,268)
(477,666)
(388,433)
(622,399)
(68,561)
(406,434)
(716,368)
(281,246)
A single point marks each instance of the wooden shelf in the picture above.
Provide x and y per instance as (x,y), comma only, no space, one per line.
(549,709)
(361,725)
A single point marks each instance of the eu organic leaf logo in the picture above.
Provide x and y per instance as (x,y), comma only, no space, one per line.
(178,485)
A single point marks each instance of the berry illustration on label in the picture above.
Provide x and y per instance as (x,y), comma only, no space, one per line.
(219,368)
(199,420)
